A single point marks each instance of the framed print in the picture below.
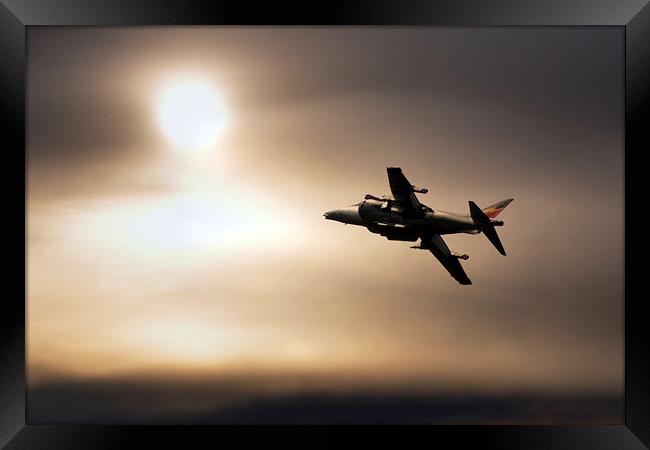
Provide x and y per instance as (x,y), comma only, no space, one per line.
(324,221)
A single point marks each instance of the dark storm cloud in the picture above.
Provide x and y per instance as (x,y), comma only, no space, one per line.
(243,400)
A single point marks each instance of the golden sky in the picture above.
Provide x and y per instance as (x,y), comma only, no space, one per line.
(147,259)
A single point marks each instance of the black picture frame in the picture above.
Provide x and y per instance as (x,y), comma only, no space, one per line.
(17,15)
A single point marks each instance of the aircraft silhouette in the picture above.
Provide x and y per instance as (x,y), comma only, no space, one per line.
(401,217)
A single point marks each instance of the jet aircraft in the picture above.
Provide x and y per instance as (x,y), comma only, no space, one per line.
(401,217)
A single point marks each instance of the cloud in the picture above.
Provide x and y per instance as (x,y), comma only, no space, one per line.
(471,114)
(294,399)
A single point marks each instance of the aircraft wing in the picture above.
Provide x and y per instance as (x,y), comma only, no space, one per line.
(435,244)
(402,191)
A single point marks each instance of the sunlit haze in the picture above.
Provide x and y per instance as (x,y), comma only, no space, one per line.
(178,261)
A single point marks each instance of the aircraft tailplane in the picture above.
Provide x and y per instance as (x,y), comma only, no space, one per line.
(484,224)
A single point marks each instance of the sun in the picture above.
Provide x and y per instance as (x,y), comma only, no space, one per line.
(190,113)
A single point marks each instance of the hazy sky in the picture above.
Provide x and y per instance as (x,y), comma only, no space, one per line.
(211,277)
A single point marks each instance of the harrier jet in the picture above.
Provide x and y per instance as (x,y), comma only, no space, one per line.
(401,217)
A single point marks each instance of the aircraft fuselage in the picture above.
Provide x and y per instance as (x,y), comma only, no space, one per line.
(369,213)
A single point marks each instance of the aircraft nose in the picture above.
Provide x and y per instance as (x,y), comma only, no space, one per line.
(334,214)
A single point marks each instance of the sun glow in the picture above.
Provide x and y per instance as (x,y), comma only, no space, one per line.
(190,113)
(177,339)
(163,255)
(185,224)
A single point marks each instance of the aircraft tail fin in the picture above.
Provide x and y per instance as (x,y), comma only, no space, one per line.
(483,223)
(494,210)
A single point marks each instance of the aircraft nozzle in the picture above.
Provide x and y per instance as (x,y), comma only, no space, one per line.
(463,256)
